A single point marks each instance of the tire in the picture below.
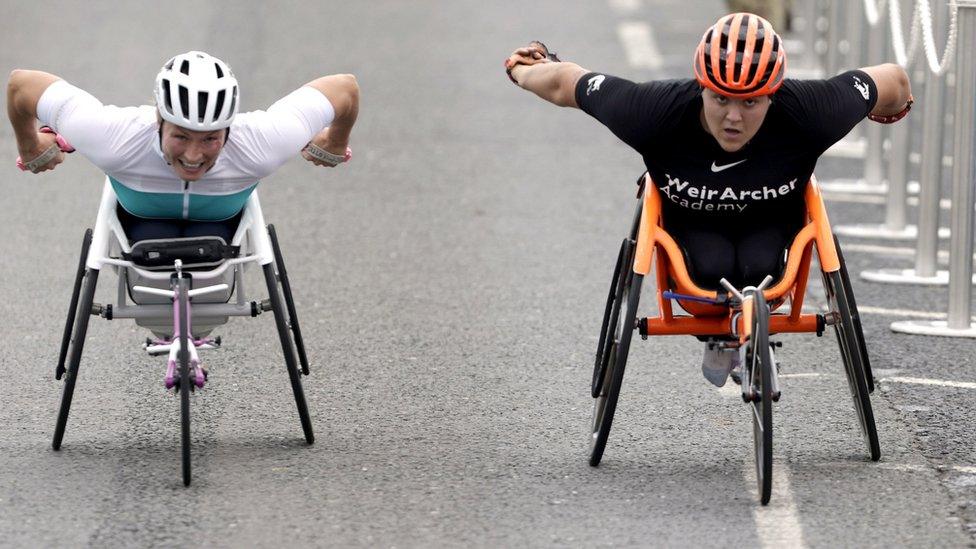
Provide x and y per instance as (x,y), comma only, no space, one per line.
(286,347)
(605,404)
(182,289)
(759,372)
(289,300)
(850,353)
(611,315)
(858,331)
(74,360)
(73,306)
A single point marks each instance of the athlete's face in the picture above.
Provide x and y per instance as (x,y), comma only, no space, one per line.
(189,152)
(732,122)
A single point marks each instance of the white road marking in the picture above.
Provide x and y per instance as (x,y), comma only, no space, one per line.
(845,148)
(862,198)
(856,198)
(901,312)
(860,186)
(639,45)
(777,524)
(867,309)
(924,381)
(875,249)
(943,255)
(625,6)
(901,467)
(963,469)
(853,186)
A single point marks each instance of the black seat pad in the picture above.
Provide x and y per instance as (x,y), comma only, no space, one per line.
(160,254)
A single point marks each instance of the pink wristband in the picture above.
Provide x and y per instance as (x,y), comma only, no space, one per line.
(62,145)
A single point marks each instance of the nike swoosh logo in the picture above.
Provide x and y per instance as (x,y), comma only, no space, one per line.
(716,168)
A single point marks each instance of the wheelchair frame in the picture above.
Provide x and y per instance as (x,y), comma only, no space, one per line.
(744,318)
(101,248)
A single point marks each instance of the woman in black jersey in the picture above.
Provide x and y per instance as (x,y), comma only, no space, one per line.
(732,149)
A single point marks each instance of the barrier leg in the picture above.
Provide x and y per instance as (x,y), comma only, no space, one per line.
(926,255)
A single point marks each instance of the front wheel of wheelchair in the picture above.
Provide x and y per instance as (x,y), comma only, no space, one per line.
(182,289)
(611,315)
(851,353)
(759,372)
(605,403)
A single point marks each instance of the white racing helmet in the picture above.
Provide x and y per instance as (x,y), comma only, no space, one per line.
(197,91)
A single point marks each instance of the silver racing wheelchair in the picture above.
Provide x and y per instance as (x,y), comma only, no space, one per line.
(180,290)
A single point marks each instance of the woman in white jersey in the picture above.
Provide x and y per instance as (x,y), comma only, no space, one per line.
(186,166)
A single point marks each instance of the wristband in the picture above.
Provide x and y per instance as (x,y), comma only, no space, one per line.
(39,160)
(61,145)
(892,118)
(323,155)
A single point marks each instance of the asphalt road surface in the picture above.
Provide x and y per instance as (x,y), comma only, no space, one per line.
(450,280)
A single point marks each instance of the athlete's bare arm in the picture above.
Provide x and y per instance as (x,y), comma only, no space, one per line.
(342,91)
(553,81)
(893,85)
(24,90)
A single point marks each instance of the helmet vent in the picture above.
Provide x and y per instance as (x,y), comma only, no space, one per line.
(233,99)
(184,101)
(220,72)
(167,98)
(185,67)
(219,103)
(201,105)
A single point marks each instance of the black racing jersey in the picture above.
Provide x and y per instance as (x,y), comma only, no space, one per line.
(768,176)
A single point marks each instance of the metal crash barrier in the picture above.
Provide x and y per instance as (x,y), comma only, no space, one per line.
(959,321)
(887,169)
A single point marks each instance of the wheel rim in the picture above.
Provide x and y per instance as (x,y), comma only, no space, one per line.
(851,357)
(609,333)
(600,403)
(606,403)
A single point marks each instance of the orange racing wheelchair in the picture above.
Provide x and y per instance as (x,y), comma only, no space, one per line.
(741,319)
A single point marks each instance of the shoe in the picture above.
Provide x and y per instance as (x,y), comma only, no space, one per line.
(736,372)
(717,363)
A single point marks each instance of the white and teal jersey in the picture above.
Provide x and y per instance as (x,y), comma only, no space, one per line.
(124,143)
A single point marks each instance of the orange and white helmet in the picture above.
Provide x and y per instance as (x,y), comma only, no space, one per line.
(741,56)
